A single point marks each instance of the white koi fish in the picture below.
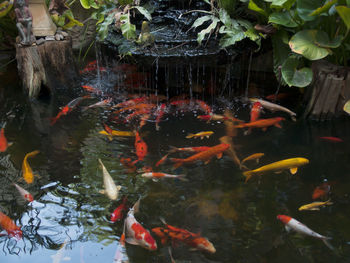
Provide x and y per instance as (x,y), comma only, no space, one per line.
(293,224)
(274,107)
(155,176)
(111,190)
(135,233)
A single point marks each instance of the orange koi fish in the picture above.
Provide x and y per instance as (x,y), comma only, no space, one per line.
(331,139)
(321,191)
(255,111)
(11,228)
(136,107)
(24,193)
(262,123)
(136,114)
(141,148)
(203,156)
(26,169)
(155,176)
(162,160)
(135,233)
(175,234)
(127,163)
(199,134)
(160,113)
(3,141)
(131,102)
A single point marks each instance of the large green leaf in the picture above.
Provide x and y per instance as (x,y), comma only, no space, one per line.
(279,3)
(344,13)
(144,11)
(253,6)
(294,76)
(211,27)
(85,4)
(281,52)
(231,38)
(103,27)
(324,8)
(312,44)
(306,7)
(282,18)
(199,21)
(128,29)
(5,7)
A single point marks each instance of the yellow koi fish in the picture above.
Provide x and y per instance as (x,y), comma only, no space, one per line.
(199,134)
(292,164)
(27,170)
(315,205)
(255,156)
(117,133)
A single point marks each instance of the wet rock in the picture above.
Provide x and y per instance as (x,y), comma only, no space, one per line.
(40,41)
(50,38)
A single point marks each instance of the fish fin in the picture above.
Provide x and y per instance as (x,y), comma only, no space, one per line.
(293,170)
(278,125)
(326,242)
(172,149)
(136,206)
(315,209)
(264,129)
(207,136)
(155,180)
(329,202)
(37,175)
(207,161)
(157,127)
(119,187)
(9,144)
(288,228)
(293,118)
(131,241)
(110,137)
(178,162)
(171,255)
(182,177)
(278,172)
(189,136)
(162,220)
(219,155)
(248,175)
(247,132)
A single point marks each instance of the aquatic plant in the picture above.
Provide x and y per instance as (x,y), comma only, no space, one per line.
(305,31)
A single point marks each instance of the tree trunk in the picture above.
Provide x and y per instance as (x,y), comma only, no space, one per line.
(46,67)
(329,92)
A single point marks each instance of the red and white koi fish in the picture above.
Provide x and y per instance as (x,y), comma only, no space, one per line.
(141,148)
(134,233)
(205,156)
(11,228)
(118,213)
(196,241)
(155,176)
(160,113)
(24,193)
(293,224)
(102,103)
(3,141)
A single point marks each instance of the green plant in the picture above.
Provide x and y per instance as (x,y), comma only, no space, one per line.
(306,31)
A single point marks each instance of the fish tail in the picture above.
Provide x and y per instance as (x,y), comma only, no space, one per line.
(189,136)
(33,153)
(178,162)
(162,220)
(247,132)
(329,202)
(248,175)
(172,149)
(327,243)
(182,177)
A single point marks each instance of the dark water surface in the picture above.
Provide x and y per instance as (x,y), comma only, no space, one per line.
(69,221)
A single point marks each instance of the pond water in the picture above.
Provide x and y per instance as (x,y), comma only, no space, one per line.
(69,219)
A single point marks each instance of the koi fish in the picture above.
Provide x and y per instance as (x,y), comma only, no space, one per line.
(205,107)
(127,163)
(160,113)
(293,224)
(3,141)
(175,234)
(141,148)
(111,190)
(119,211)
(255,156)
(136,114)
(203,156)
(255,111)
(24,193)
(321,191)
(155,176)
(102,103)
(199,134)
(91,66)
(162,160)
(10,227)
(292,164)
(135,233)
(189,149)
(143,120)
(131,102)
(275,107)
(331,139)
(91,89)
(262,123)
(112,133)
(315,205)
(26,169)
(136,107)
